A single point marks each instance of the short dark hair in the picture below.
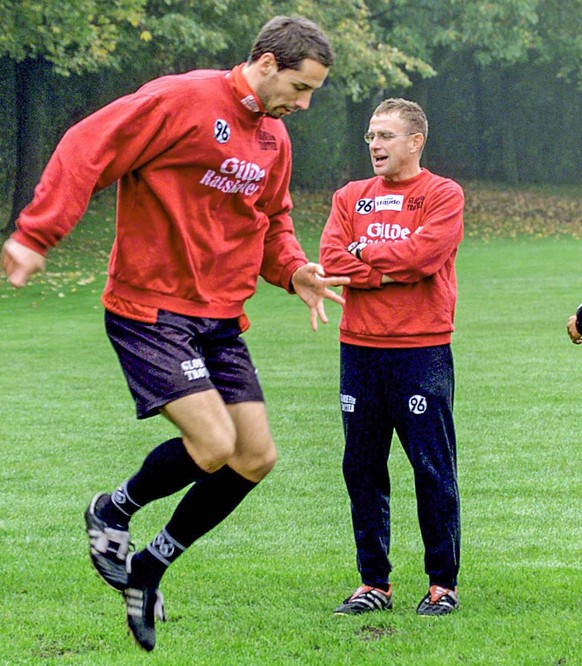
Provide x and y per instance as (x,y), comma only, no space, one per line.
(292,40)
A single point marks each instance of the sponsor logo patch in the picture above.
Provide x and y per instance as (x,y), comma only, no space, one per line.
(389,202)
(267,141)
(251,103)
(194,369)
(347,402)
(387,231)
(235,176)
(415,203)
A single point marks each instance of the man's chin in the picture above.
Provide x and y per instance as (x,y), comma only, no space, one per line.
(279,112)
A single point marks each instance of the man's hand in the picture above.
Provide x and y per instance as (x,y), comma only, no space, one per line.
(356,248)
(20,262)
(312,287)
(573,331)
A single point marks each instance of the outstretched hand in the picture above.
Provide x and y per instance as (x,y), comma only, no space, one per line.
(573,330)
(312,287)
(20,262)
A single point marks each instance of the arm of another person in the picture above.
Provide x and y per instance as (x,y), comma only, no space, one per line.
(574,326)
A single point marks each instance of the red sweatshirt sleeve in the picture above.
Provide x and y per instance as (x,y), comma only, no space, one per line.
(337,234)
(283,254)
(91,156)
(425,251)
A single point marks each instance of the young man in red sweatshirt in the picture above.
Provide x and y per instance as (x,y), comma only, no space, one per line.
(396,236)
(203,163)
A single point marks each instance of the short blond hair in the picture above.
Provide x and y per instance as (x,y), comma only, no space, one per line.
(409,111)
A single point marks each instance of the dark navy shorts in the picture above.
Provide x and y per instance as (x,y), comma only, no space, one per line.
(180,355)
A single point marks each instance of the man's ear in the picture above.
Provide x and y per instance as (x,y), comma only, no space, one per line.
(267,63)
(417,142)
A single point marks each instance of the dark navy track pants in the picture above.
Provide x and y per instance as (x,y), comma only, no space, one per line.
(410,392)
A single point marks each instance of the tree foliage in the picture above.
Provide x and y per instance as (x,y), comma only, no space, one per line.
(205,32)
(368,59)
(481,54)
(74,36)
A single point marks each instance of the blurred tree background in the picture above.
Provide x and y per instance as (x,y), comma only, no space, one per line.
(501,80)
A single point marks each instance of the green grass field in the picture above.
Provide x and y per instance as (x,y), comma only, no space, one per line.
(260,589)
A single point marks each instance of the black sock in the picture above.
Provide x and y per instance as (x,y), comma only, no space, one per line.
(166,470)
(204,506)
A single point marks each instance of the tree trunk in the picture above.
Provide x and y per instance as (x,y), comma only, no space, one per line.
(358,157)
(508,148)
(482,151)
(420,93)
(30,94)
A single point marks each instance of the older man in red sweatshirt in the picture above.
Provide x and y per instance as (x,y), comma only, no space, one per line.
(396,236)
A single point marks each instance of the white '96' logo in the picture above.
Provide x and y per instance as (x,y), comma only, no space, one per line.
(221,131)
(417,404)
(365,206)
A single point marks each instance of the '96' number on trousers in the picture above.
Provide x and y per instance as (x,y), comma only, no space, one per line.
(417,404)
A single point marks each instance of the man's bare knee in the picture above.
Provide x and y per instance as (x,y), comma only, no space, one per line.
(214,450)
(269,461)
(256,453)
(263,466)
(255,467)
(208,431)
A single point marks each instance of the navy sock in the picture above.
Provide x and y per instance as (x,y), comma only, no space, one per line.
(204,506)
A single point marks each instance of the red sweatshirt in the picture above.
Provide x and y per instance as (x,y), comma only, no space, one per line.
(412,230)
(203,196)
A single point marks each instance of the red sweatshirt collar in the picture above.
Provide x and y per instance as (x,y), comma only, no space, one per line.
(243,91)
(403,184)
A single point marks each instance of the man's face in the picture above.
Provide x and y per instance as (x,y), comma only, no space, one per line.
(396,157)
(283,92)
